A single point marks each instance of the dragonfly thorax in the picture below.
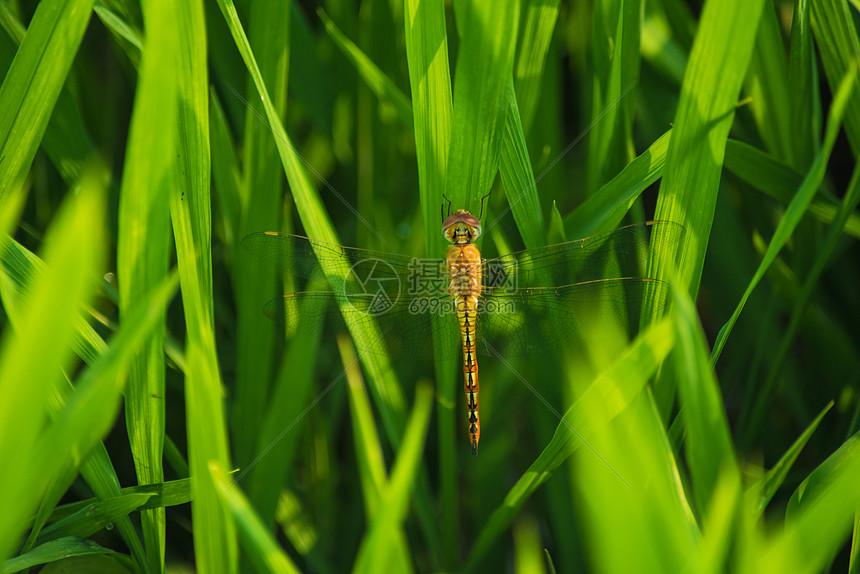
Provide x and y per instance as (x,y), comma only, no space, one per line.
(461,227)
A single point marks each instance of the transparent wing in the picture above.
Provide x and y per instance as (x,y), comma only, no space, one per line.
(521,323)
(532,300)
(618,253)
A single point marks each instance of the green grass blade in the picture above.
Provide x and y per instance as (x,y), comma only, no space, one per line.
(535,37)
(73,258)
(371,464)
(377,549)
(260,200)
(604,210)
(518,179)
(94,517)
(430,82)
(387,392)
(795,210)
(779,181)
(225,171)
(257,541)
(767,86)
(623,381)
(804,84)
(34,82)
(142,250)
(384,89)
(170,493)
(643,522)
(53,551)
(128,37)
(819,516)
(839,49)
(616,39)
(712,82)
(287,404)
(484,68)
(432,110)
(66,141)
(22,267)
(190,209)
(709,447)
(773,479)
(91,410)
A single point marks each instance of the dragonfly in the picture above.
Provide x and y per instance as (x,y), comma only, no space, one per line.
(521,303)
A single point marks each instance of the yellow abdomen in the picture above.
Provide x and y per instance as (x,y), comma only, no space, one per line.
(464,272)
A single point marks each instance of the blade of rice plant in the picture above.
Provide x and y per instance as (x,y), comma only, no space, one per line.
(518,179)
(432,110)
(795,210)
(94,517)
(839,49)
(142,250)
(605,209)
(484,68)
(257,541)
(709,448)
(377,81)
(34,82)
(804,84)
(386,389)
(371,463)
(623,381)
(260,201)
(72,254)
(377,551)
(53,551)
(780,182)
(616,69)
(536,33)
(712,82)
(769,90)
(764,490)
(818,517)
(190,209)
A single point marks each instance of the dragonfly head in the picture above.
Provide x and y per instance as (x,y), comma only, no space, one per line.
(461,227)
